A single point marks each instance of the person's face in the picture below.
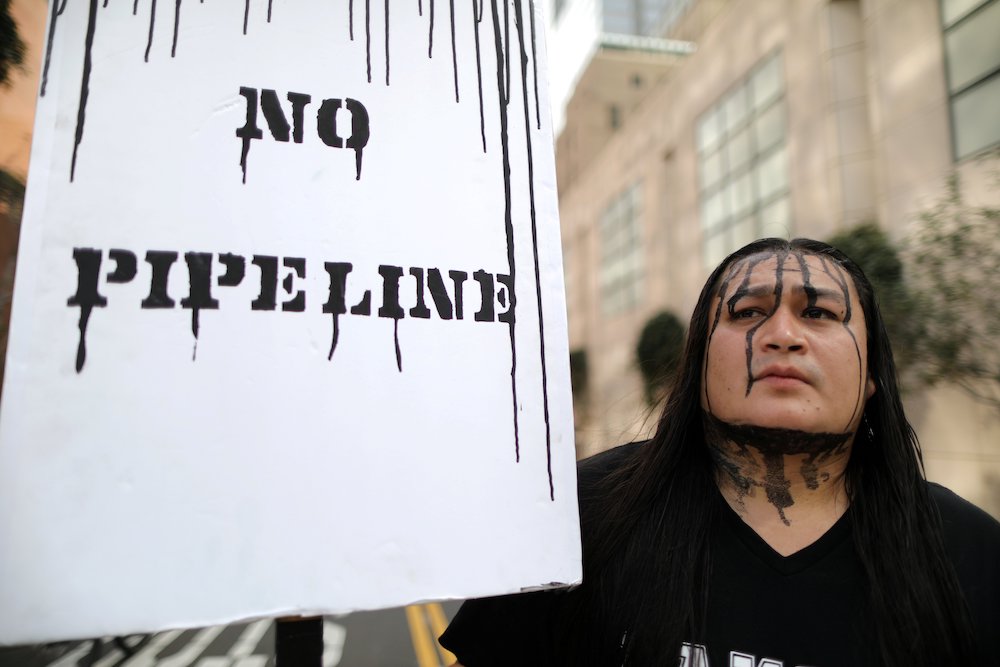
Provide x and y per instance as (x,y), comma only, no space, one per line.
(787,345)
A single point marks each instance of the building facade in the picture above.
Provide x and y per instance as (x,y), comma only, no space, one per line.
(782,118)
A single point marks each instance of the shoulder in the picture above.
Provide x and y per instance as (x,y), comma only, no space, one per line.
(961,520)
(593,469)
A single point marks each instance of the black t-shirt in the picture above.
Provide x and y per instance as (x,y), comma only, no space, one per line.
(764,609)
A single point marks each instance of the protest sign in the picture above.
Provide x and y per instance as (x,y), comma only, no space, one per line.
(288,331)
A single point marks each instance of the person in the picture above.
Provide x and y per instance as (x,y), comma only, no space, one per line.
(779,515)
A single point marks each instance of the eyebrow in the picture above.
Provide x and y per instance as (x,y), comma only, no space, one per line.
(768,290)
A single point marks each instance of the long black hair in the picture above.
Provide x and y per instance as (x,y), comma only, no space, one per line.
(646,526)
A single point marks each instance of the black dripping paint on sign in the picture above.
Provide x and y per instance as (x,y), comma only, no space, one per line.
(87,296)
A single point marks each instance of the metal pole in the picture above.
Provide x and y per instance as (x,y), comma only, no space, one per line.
(298,641)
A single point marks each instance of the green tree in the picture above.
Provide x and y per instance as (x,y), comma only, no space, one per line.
(658,352)
(953,269)
(872,250)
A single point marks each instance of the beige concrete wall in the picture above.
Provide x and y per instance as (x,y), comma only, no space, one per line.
(867,138)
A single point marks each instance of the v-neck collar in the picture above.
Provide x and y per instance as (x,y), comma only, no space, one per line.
(793,563)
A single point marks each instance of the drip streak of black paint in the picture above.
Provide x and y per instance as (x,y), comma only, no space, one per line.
(368,38)
(534,63)
(477,9)
(779,286)
(48,52)
(841,281)
(81,112)
(152,24)
(721,295)
(269,6)
(430,33)
(508,222)
(395,337)
(336,336)
(177,23)
(135,7)
(387,42)
(62,7)
(454,53)
(350,19)
(246,15)
(534,243)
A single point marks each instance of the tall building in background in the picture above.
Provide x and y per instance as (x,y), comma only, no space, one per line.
(687,128)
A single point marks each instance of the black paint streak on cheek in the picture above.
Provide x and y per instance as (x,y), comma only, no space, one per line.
(152,25)
(508,222)
(476,18)
(454,53)
(779,285)
(518,5)
(731,308)
(731,274)
(177,23)
(81,113)
(859,403)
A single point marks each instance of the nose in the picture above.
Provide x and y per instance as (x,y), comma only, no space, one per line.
(782,331)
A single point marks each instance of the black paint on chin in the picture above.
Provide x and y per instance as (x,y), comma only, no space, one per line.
(773,444)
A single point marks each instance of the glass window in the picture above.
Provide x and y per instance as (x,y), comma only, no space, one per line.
(736,108)
(708,130)
(711,170)
(738,149)
(766,83)
(772,176)
(743,164)
(769,128)
(973,48)
(976,114)
(741,194)
(621,253)
(953,10)
(972,56)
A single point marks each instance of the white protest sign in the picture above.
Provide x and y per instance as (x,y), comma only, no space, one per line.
(289,332)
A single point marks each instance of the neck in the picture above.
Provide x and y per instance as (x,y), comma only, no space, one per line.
(787,485)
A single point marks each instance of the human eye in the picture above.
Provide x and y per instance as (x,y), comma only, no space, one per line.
(746,313)
(817,313)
